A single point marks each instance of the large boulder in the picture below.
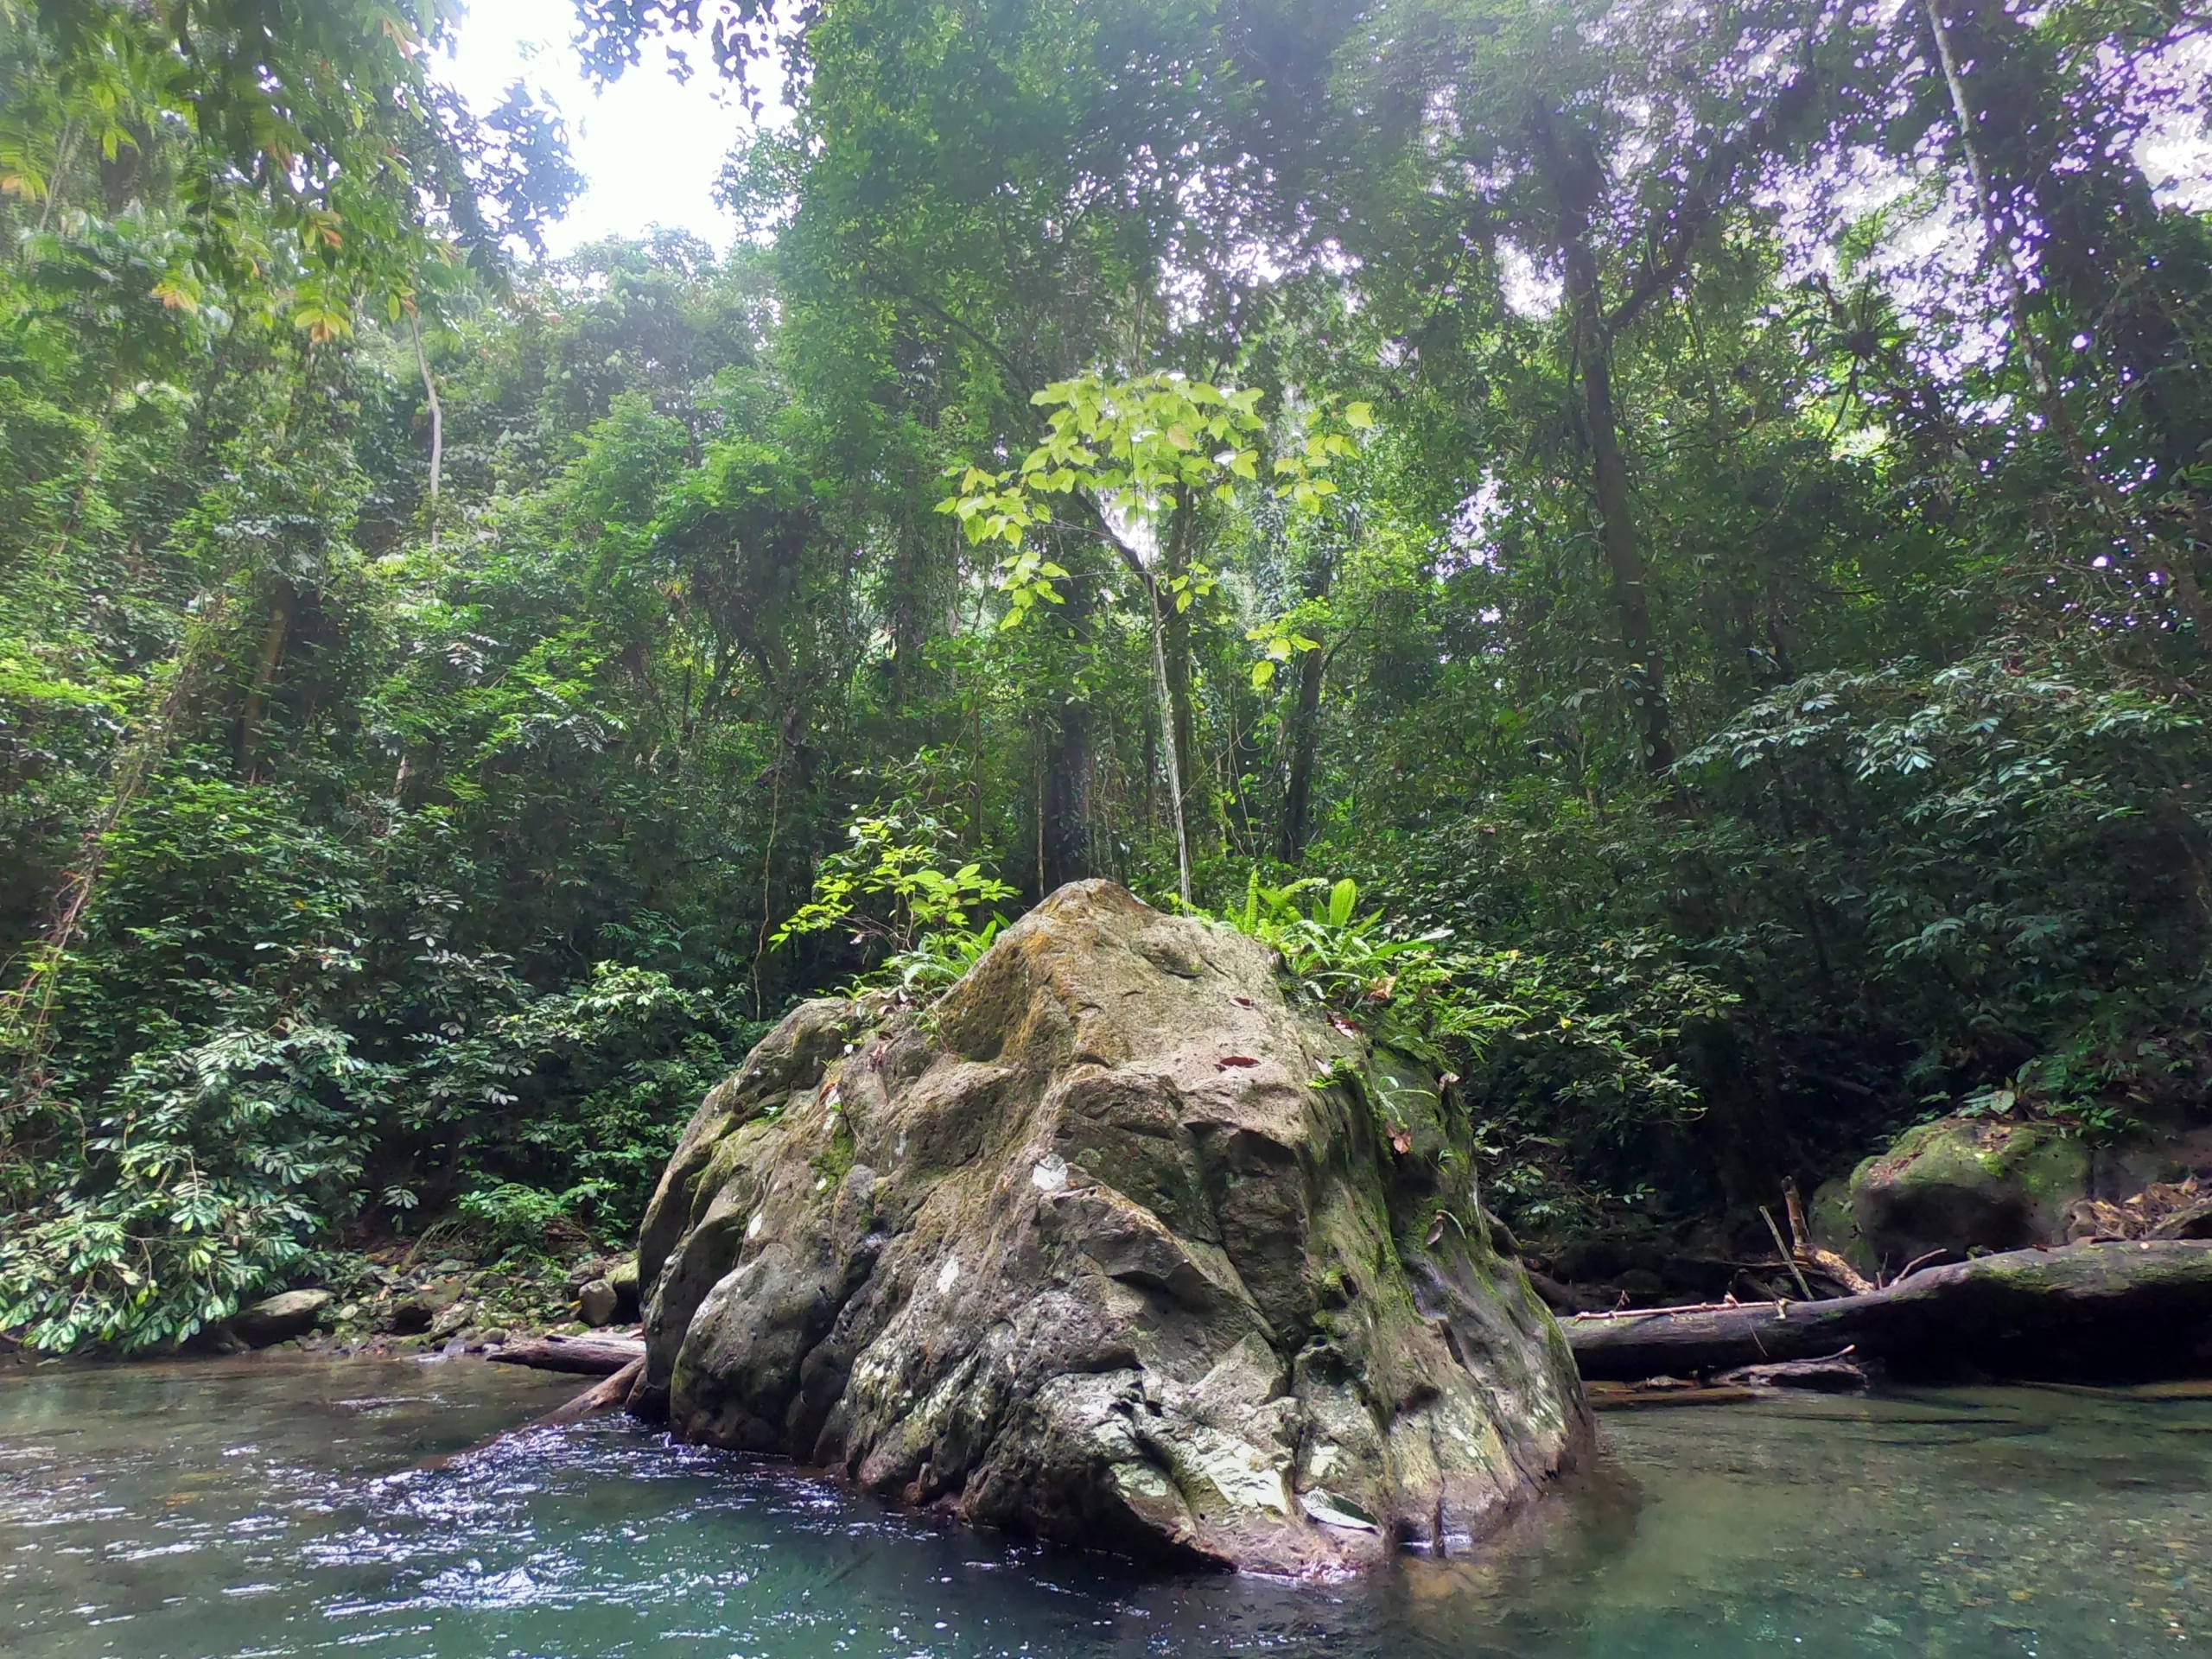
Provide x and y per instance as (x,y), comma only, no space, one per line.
(1113,1246)
(1960,1185)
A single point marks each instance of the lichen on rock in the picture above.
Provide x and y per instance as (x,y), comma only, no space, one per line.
(1111,1245)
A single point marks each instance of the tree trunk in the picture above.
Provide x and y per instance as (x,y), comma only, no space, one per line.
(1576,178)
(1176,550)
(438,420)
(1616,521)
(1065,834)
(906,602)
(2134,1309)
(1157,607)
(581,1356)
(281,603)
(1173,750)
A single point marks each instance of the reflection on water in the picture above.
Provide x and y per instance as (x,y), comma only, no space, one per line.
(269,1507)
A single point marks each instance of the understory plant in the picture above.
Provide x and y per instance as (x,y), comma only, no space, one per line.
(1551,1060)
(896,888)
(205,1174)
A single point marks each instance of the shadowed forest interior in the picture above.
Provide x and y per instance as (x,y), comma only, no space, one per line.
(1655,551)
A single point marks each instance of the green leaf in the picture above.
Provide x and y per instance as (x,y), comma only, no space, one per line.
(1342,898)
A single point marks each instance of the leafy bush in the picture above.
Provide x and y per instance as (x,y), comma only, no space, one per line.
(521,1218)
(1577,1057)
(202,1177)
(236,1077)
(581,1090)
(887,886)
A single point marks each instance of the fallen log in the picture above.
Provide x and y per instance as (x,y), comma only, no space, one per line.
(584,1355)
(1628,1397)
(605,1395)
(2139,1310)
(1837,1374)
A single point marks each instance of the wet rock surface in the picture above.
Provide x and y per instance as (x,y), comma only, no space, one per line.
(1112,1246)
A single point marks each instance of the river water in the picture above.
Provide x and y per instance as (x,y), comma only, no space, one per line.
(271,1506)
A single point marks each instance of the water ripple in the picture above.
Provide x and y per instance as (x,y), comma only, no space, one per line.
(261,1508)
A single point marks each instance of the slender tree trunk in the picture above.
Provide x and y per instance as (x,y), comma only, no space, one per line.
(1616,516)
(1176,550)
(278,629)
(1171,750)
(1574,183)
(1065,837)
(62,158)
(26,1012)
(437,419)
(1148,772)
(908,601)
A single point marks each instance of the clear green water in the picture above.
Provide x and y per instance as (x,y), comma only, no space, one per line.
(265,1508)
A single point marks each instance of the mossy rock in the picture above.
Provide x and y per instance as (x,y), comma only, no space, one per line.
(1962,1184)
(1834,1226)
(281,1317)
(1114,1245)
(623,1276)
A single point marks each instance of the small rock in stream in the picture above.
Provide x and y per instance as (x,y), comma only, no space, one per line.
(597,1302)
(277,1319)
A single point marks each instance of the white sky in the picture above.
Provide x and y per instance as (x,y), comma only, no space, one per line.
(650,147)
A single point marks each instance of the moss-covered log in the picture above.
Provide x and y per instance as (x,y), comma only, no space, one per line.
(2138,1309)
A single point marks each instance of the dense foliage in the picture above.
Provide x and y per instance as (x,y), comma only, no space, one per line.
(1699,513)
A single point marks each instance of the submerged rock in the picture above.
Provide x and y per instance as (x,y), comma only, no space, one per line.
(1112,1246)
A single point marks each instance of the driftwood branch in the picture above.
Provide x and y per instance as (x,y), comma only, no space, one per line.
(2142,1309)
(1808,1253)
(605,1395)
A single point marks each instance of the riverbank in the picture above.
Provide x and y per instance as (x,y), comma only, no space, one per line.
(402,1300)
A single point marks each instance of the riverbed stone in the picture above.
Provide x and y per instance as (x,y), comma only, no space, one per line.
(419,1309)
(280,1318)
(1114,1245)
(596,1303)
(622,1277)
